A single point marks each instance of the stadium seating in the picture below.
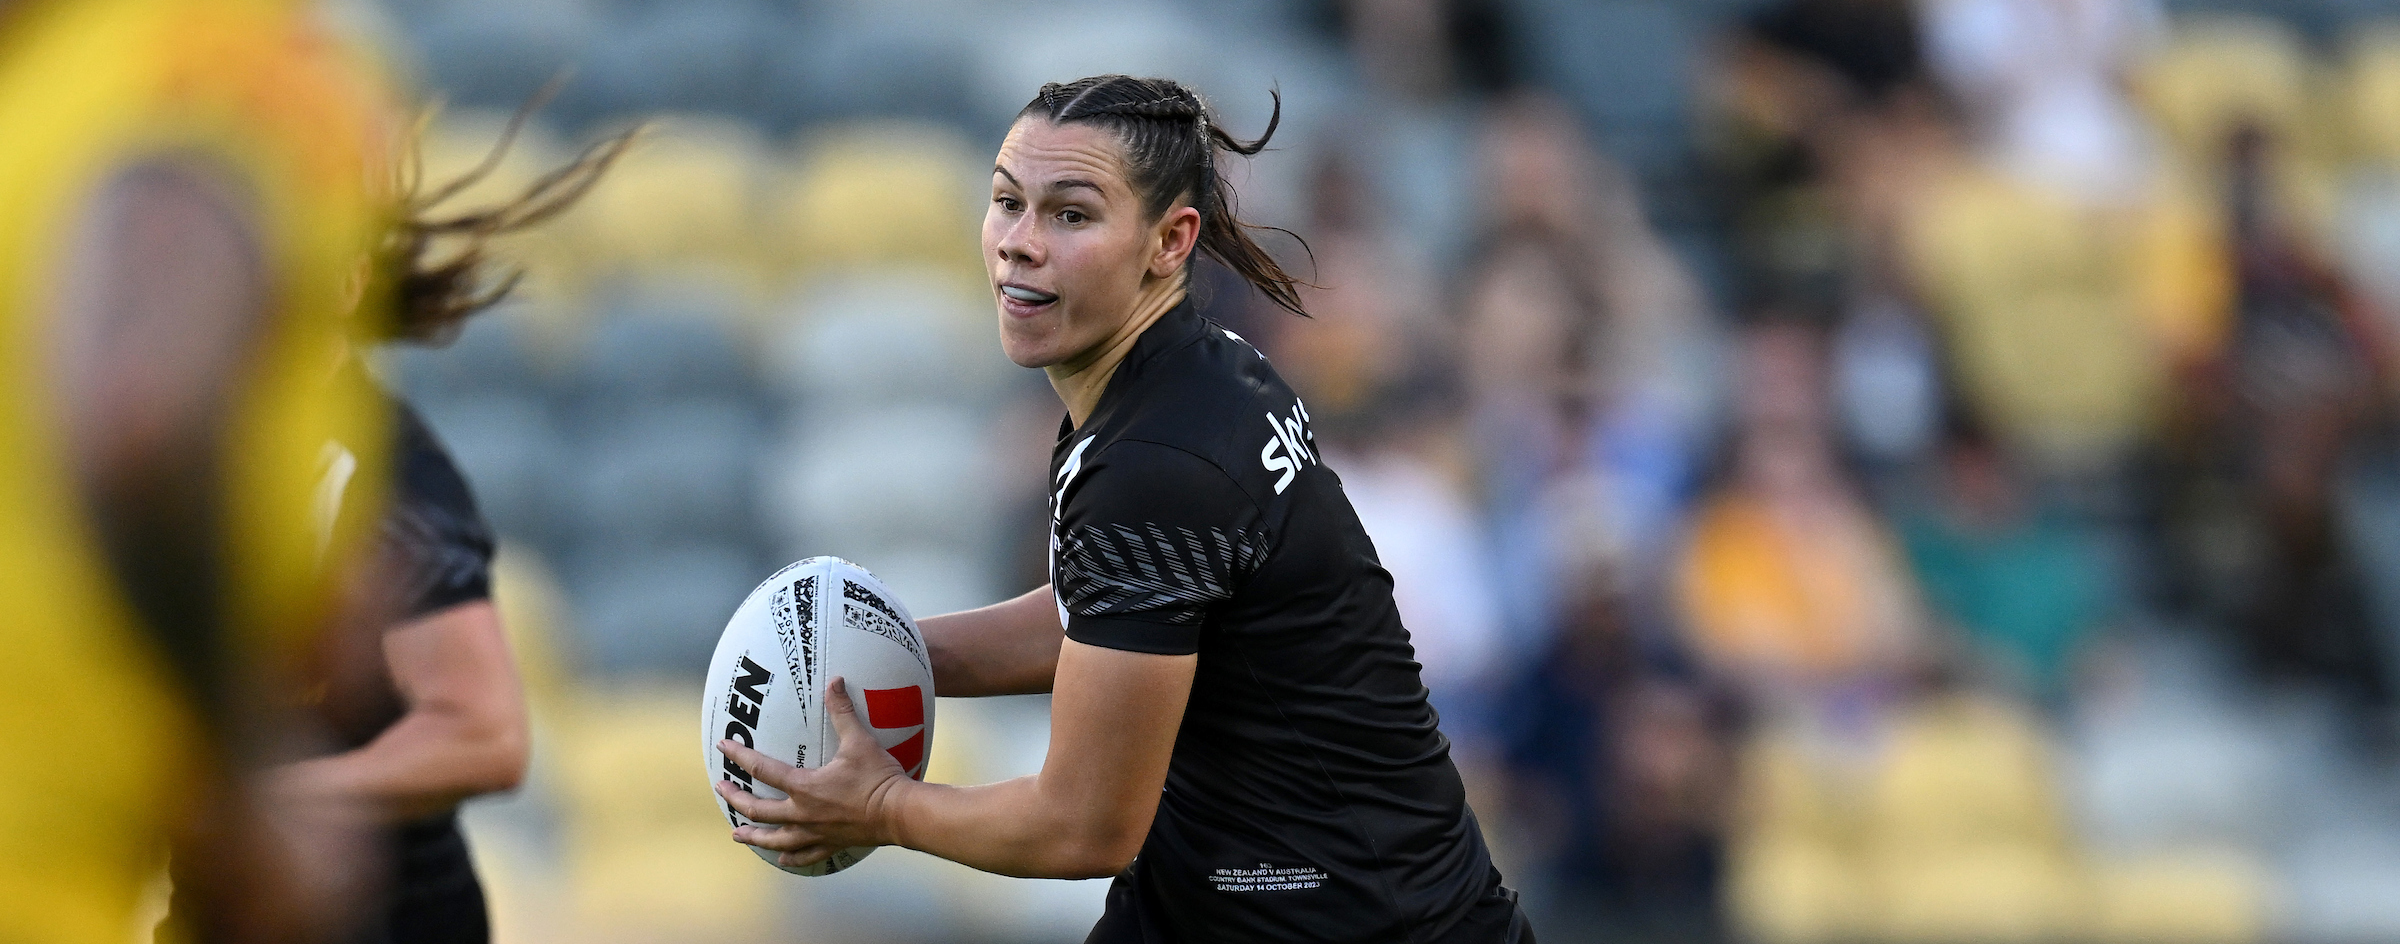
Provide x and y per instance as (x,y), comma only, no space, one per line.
(656,610)
(509,452)
(2371,93)
(2217,72)
(2046,316)
(647,855)
(886,336)
(681,200)
(907,473)
(675,471)
(879,193)
(646,353)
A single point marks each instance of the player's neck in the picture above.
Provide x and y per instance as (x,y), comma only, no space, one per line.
(1081,380)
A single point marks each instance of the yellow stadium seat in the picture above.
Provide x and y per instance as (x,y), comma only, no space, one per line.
(1964,772)
(455,144)
(2218,71)
(2046,306)
(1796,892)
(2198,896)
(883,193)
(1984,894)
(1788,795)
(2371,94)
(532,608)
(647,853)
(683,201)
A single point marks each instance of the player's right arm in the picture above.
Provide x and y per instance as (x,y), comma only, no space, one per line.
(1085,815)
(1008,648)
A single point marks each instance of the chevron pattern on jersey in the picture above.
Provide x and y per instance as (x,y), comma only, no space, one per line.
(1158,573)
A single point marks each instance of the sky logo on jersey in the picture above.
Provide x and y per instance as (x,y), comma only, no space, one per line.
(1292,448)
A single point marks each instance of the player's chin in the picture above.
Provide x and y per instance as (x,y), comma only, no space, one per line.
(1029,344)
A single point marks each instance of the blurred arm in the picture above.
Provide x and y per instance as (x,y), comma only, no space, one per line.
(465,730)
(1007,648)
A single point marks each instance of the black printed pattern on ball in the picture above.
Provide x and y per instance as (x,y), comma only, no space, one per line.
(786,634)
(1165,574)
(804,605)
(881,624)
(851,589)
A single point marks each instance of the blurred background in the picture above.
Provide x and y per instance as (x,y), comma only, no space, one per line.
(1855,470)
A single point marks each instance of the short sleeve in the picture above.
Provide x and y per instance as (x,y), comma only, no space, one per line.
(436,542)
(1150,538)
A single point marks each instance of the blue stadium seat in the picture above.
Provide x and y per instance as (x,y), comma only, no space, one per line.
(897,477)
(649,353)
(659,610)
(673,471)
(511,455)
(1626,65)
(706,55)
(491,356)
(498,54)
(884,338)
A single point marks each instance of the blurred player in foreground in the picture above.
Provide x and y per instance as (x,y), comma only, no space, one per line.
(1234,698)
(190,192)
(432,712)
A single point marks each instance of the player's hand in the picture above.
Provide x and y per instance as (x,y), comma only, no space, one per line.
(845,803)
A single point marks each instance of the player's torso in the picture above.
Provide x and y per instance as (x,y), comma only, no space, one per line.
(1309,787)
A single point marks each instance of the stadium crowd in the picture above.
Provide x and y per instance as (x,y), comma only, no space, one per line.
(1853,469)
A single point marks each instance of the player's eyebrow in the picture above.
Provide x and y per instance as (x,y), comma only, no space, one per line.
(1056,185)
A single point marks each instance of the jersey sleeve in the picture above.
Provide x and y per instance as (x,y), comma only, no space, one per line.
(1150,538)
(437,543)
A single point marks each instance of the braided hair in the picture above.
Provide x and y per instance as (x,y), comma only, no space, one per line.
(1171,139)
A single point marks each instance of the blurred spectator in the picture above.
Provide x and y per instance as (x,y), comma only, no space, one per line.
(1621,765)
(2273,419)
(2041,82)
(1790,585)
(2024,582)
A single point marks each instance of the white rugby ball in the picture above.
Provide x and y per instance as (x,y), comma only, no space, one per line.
(811,621)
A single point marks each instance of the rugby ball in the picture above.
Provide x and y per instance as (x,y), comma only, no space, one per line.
(811,621)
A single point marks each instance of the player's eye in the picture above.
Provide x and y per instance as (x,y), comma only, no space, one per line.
(1071,217)
(1009,204)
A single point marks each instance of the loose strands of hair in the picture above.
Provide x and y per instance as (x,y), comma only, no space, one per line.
(434,296)
(1171,139)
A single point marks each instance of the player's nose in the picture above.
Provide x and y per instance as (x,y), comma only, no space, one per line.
(1020,242)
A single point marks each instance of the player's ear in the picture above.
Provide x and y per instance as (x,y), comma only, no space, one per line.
(1178,233)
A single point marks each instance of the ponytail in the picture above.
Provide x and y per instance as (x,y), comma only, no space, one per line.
(436,294)
(1171,140)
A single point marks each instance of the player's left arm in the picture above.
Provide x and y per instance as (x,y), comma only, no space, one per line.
(1113,721)
(464,734)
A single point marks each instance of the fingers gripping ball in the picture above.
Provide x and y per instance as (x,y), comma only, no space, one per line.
(814,620)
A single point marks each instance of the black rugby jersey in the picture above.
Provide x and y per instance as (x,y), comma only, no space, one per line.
(1311,796)
(436,550)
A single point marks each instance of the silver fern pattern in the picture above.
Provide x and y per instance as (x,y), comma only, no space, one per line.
(1163,574)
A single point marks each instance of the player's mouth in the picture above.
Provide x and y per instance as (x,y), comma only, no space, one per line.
(1024,300)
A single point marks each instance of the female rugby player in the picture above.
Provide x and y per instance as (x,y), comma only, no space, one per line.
(1238,732)
(438,715)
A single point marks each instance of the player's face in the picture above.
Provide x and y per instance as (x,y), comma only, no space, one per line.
(1067,243)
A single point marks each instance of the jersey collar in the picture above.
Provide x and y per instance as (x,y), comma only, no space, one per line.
(1172,330)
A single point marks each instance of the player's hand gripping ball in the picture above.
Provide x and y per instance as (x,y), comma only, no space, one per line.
(810,759)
